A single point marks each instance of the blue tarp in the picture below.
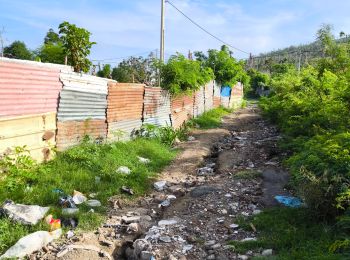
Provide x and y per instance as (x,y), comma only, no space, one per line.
(225,91)
(292,202)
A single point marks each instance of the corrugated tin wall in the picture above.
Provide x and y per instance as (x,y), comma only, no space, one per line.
(82,109)
(125,109)
(199,97)
(216,99)
(236,95)
(28,103)
(209,95)
(181,110)
(156,109)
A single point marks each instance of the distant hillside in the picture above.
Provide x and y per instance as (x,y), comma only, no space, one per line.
(305,54)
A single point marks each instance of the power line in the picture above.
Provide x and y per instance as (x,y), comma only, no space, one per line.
(124,57)
(205,30)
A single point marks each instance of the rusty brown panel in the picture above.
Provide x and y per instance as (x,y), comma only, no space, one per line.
(178,119)
(70,133)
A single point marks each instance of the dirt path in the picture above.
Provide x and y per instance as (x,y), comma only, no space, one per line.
(222,175)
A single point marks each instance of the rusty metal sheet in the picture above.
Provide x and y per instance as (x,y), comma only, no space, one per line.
(208,92)
(179,118)
(36,132)
(70,133)
(123,130)
(125,101)
(82,97)
(28,88)
(157,107)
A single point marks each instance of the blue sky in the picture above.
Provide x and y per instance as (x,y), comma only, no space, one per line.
(123,28)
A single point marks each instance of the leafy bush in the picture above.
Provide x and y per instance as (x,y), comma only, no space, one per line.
(165,134)
(312,110)
(181,75)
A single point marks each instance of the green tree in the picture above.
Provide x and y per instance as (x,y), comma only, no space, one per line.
(105,72)
(52,50)
(18,50)
(76,45)
(136,70)
(52,37)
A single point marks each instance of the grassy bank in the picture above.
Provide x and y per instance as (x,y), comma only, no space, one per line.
(211,119)
(77,169)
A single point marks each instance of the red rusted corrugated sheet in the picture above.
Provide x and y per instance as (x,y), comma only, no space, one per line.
(181,110)
(156,107)
(179,118)
(124,109)
(125,101)
(28,88)
(72,132)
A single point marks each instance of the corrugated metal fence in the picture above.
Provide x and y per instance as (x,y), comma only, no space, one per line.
(43,106)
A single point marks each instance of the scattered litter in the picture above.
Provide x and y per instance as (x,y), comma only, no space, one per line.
(127,190)
(69,222)
(69,248)
(171,197)
(58,191)
(31,243)
(256,212)
(159,185)
(134,227)
(267,252)
(53,223)
(92,195)
(228,195)
(292,202)
(186,248)
(78,197)
(253,227)
(234,226)
(129,220)
(70,234)
(97,179)
(191,138)
(167,222)
(123,170)
(143,160)
(91,211)
(67,202)
(25,214)
(165,239)
(70,211)
(205,171)
(165,203)
(93,203)
(248,239)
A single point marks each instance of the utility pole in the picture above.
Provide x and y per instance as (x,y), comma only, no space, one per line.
(162,31)
(2,40)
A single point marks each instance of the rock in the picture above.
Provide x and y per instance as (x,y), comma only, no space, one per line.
(202,191)
(171,197)
(146,255)
(24,214)
(141,245)
(129,220)
(211,257)
(228,195)
(93,203)
(186,248)
(167,222)
(159,185)
(209,243)
(223,211)
(134,227)
(267,252)
(171,257)
(205,171)
(216,246)
(165,239)
(191,138)
(177,190)
(243,257)
(123,170)
(165,203)
(127,190)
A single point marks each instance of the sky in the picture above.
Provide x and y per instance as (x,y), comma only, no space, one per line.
(123,28)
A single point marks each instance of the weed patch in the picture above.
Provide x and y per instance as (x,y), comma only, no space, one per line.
(247,175)
(292,234)
(211,119)
(77,169)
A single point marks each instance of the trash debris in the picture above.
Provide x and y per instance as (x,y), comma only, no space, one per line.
(267,252)
(70,211)
(159,185)
(67,202)
(288,201)
(58,191)
(165,239)
(78,197)
(133,227)
(123,170)
(165,203)
(24,214)
(143,160)
(92,195)
(70,234)
(139,246)
(205,171)
(234,226)
(129,220)
(191,138)
(31,243)
(171,197)
(127,190)
(53,223)
(71,223)
(167,222)
(93,203)
(186,248)
(97,179)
